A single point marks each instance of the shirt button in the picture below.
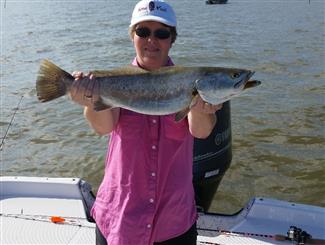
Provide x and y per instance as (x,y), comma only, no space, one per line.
(151,200)
(153,174)
(154,121)
(153,147)
(148,226)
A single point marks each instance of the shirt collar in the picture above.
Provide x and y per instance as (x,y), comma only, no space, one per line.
(169,62)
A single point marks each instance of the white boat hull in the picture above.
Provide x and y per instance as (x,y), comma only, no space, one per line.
(36,210)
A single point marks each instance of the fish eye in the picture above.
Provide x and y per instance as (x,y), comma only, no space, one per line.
(236,75)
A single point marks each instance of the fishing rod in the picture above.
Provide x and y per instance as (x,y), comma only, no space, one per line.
(10,123)
(294,234)
(237,233)
(74,221)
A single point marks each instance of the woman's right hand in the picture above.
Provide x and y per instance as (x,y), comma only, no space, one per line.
(84,89)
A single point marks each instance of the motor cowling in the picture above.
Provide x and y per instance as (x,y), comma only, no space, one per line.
(211,158)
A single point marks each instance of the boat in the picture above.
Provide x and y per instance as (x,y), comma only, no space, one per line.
(43,210)
(216,1)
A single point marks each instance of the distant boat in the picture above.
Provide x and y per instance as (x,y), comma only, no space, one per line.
(216,1)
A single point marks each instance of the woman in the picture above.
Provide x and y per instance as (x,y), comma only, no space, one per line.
(147,196)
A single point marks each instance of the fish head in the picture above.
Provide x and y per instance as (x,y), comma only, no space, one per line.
(217,85)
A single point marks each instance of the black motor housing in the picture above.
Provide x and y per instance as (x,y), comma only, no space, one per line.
(212,157)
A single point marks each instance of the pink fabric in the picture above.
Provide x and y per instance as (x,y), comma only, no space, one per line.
(147,194)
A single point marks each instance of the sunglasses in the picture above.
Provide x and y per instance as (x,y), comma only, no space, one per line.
(145,32)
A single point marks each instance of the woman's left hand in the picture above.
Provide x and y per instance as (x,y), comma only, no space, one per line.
(202,118)
(204,107)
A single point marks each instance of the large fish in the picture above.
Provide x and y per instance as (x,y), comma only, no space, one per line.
(165,91)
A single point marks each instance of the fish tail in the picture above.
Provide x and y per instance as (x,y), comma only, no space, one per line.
(52,82)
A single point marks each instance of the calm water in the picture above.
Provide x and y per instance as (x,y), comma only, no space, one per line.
(278,128)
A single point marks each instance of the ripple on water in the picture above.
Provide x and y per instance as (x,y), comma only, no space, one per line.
(44,140)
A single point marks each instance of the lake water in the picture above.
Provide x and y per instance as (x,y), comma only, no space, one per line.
(278,128)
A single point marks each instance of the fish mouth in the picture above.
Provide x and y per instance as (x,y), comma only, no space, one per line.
(252,83)
(244,81)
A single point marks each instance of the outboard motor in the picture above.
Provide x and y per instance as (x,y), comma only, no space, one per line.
(212,157)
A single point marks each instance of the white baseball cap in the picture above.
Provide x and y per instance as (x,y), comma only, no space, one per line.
(153,10)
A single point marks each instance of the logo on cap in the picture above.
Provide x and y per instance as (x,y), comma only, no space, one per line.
(151,6)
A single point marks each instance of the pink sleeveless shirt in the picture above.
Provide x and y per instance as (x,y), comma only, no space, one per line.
(146,195)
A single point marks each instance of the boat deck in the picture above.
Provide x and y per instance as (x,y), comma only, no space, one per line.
(55,211)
